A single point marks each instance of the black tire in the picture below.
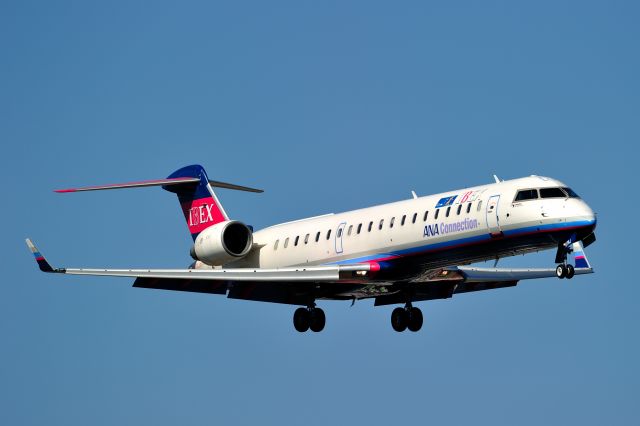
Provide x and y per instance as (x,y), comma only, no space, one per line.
(399,319)
(415,319)
(317,320)
(571,271)
(561,271)
(301,319)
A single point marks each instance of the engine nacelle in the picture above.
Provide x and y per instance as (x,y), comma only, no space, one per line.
(222,243)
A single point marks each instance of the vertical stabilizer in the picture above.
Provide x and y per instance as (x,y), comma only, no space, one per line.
(200,205)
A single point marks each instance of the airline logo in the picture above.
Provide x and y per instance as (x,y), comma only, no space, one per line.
(201,214)
(449,228)
(468,196)
(446,201)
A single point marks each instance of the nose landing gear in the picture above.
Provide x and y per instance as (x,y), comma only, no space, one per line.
(407,317)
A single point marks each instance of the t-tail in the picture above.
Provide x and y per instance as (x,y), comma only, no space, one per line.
(200,205)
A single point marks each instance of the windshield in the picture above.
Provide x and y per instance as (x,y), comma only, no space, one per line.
(552,193)
(570,192)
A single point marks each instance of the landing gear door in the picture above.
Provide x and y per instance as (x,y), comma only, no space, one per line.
(493,221)
(339,235)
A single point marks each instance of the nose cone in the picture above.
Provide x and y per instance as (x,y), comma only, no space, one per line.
(583,214)
(587,213)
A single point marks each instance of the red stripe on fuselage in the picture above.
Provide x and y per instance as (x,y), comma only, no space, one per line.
(433,250)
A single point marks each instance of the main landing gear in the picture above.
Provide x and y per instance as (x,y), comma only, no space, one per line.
(565,271)
(309,318)
(407,317)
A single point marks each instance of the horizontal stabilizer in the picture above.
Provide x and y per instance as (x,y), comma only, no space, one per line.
(160,182)
(140,184)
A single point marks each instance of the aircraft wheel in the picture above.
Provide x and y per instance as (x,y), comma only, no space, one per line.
(317,320)
(399,319)
(571,271)
(301,319)
(415,319)
(561,271)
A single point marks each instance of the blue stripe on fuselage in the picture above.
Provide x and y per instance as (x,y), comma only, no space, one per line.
(463,241)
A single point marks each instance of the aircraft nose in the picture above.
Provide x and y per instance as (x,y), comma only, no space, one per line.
(586,213)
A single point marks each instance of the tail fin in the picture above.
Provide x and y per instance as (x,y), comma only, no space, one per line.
(199,203)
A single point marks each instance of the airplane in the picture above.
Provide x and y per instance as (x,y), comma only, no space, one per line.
(399,253)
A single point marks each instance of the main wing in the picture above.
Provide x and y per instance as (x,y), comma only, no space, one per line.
(331,281)
(333,273)
(444,283)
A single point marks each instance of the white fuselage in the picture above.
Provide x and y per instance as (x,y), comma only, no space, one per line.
(418,226)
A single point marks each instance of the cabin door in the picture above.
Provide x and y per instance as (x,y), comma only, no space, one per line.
(493,220)
(339,235)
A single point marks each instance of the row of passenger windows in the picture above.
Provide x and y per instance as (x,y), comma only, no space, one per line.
(534,194)
(380,224)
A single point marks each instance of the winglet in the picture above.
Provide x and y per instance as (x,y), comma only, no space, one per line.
(580,258)
(42,262)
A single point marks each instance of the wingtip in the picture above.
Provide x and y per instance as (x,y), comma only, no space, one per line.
(42,262)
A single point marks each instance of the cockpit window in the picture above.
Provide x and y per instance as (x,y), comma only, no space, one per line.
(527,194)
(570,192)
(552,193)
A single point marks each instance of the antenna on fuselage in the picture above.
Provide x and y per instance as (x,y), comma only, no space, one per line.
(414,194)
(497,179)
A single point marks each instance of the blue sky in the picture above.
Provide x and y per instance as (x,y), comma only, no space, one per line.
(328,106)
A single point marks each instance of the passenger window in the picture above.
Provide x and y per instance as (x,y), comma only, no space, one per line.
(448,210)
(286,242)
(426,214)
(359,228)
(328,234)
(527,194)
(350,229)
(404,217)
(459,209)
(570,192)
(306,239)
(370,226)
(552,193)
(415,216)
(381,223)
(479,205)
(318,236)
(295,242)
(437,213)
(469,208)
(275,246)
(393,219)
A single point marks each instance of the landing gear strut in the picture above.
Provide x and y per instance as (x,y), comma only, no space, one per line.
(407,317)
(309,318)
(564,270)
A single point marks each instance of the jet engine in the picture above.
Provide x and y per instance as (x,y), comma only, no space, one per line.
(222,243)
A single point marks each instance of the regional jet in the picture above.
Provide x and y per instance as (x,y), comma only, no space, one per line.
(409,251)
